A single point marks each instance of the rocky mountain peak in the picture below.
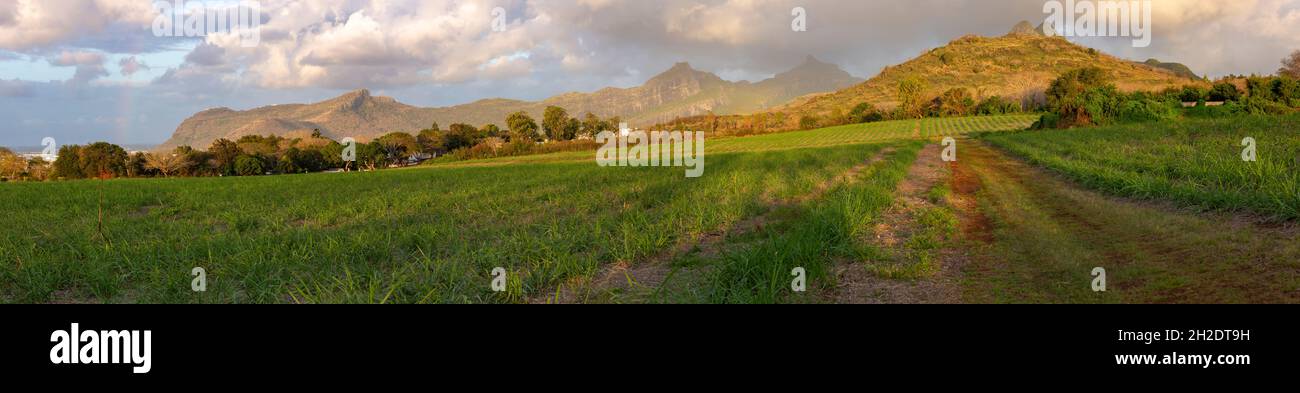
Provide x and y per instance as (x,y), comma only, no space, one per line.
(1025,28)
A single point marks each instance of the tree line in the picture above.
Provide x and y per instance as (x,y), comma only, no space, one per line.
(914,103)
(1088,96)
(253,155)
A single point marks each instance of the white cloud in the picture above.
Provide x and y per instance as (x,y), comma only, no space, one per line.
(31,24)
(90,65)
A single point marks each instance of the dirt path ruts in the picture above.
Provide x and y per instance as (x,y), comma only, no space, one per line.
(856,285)
(1040,236)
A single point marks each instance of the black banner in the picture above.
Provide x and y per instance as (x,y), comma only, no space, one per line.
(284,342)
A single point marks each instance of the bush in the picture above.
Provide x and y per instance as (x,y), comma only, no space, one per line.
(1147,110)
(246,165)
(954,102)
(1193,94)
(1226,110)
(996,105)
(865,113)
(1224,92)
(808,122)
(1047,121)
(1261,106)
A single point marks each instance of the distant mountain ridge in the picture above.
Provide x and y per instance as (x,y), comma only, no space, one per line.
(678,92)
(1176,68)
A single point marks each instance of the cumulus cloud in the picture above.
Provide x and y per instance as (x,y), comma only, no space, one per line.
(130,65)
(446,52)
(342,44)
(33,24)
(90,65)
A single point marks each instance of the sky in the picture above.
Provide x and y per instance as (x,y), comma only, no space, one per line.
(95,70)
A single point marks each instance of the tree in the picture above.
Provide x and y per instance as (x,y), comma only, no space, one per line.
(431,142)
(68,165)
(135,166)
(554,120)
(398,145)
(1291,65)
(1224,91)
(332,156)
(522,126)
(996,105)
(370,156)
(1192,94)
(1285,89)
(954,102)
(1082,97)
(911,104)
(1073,83)
(167,164)
(102,159)
(257,144)
(224,152)
(808,122)
(460,136)
(571,129)
(492,131)
(246,165)
(38,169)
(197,163)
(864,113)
(591,125)
(12,165)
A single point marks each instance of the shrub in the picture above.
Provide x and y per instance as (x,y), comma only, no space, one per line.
(954,102)
(246,165)
(1047,121)
(808,122)
(1147,110)
(1228,109)
(996,105)
(1224,92)
(1261,106)
(1193,94)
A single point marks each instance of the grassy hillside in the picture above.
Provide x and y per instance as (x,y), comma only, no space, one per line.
(1017,66)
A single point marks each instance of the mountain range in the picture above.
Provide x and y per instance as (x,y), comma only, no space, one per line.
(678,92)
(1019,65)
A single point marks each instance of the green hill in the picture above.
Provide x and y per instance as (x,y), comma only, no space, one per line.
(1176,68)
(1017,66)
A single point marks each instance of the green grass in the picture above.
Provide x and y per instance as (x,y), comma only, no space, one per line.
(433,234)
(1048,234)
(821,233)
(1194,162)
(406,236)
